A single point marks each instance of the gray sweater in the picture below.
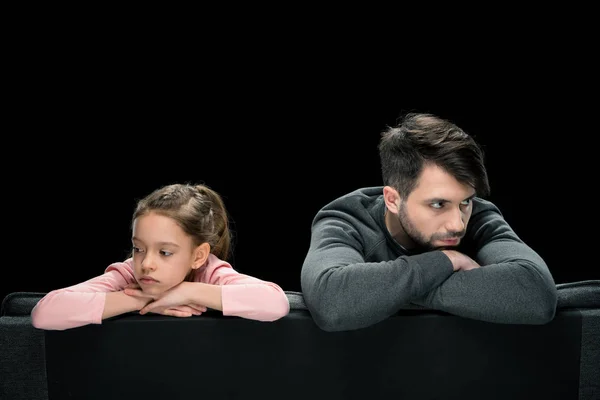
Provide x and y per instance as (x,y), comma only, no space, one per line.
(355,274)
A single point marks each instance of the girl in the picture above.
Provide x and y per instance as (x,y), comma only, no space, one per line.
(181,239)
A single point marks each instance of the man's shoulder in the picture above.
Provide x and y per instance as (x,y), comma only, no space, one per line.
(365,196)
(483,205)
(361,205)
(359,211)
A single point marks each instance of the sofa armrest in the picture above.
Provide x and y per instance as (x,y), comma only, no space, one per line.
(22,360)
(582,294)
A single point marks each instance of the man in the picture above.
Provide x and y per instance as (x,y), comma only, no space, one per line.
(427,238)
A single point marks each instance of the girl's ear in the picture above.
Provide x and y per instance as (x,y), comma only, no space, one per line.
(201,255)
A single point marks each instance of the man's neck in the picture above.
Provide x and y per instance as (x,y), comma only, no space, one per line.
(395,229)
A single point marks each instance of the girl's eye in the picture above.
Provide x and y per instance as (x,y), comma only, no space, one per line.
(137,249)
(166,253)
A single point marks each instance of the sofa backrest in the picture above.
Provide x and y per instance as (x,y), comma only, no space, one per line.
(416,354)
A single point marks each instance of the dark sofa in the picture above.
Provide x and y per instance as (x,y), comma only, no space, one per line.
(415,354)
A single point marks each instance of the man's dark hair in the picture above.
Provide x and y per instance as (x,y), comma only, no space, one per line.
(421,139)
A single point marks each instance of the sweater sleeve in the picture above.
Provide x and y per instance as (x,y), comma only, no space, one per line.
(246,296)
(80,304)
(512,286)
(344,292)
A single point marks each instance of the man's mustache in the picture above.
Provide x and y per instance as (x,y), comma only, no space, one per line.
(453,235)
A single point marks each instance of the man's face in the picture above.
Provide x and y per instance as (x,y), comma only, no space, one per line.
(436,213)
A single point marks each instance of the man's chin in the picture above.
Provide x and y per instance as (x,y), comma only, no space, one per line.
(446,244)
(446,247)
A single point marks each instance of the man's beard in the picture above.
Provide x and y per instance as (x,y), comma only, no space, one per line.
(417,237)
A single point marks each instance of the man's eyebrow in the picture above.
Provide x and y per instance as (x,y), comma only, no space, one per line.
(441,200)
(436,200)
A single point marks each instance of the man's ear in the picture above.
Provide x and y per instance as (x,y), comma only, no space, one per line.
(392,199)
(200,255)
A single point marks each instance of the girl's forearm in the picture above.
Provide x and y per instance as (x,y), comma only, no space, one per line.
(205,294)
(118,303)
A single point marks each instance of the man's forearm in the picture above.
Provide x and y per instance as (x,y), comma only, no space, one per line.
(511,293)
(359,295)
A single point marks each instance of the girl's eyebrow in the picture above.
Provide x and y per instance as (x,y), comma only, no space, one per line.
(159,243)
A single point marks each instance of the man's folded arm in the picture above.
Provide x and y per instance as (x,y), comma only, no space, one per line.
(344,292)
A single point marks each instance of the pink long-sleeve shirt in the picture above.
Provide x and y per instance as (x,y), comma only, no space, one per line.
(241,295)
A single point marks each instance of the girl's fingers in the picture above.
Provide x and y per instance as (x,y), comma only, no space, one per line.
(198,307)
(188,309)
(137,293)
(132,285)
(176,313)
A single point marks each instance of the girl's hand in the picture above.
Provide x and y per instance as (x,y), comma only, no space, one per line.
(133,290)
(178,311)
(173,302)
(133,285)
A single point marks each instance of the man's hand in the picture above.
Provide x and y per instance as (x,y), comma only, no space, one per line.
(460,261)
(173,302)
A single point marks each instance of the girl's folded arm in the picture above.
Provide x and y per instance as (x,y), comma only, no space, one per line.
(83,303)
(249,297)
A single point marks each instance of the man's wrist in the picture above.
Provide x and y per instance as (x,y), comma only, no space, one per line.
(450,255)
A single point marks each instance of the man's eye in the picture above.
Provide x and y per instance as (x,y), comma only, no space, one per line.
(437,205)
(166,253)
(466,202)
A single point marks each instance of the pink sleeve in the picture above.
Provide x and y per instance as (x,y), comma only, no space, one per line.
(246,296)
(83,303)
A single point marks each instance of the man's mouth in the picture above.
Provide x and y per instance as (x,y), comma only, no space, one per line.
(450,241)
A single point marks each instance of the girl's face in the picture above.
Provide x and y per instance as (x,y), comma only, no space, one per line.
(163,254)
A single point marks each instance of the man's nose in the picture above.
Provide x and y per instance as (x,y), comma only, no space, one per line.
(456,221)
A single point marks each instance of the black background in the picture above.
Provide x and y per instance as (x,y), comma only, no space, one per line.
(279,132)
